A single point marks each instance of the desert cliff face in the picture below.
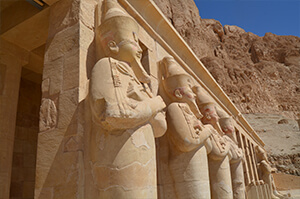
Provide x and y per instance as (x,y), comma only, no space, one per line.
(259,74)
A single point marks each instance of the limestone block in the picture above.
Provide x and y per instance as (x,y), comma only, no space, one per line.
(63,14)
(86,38)
(64,176)
(72,144)
(48,145)
(68,101)
(160,51)
(54,71)
(63,170)
(146,39)
(87,10)
(46,193)
(45,86)
(87,62)
(153,64)
(71,71)
(48,115)
(65,191)
(62,42)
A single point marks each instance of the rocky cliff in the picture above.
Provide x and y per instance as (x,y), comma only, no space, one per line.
(259,74)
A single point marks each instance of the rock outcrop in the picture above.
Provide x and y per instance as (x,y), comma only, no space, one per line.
(259,74)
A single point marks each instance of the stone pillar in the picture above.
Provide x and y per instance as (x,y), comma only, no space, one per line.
(249,160)
(245,164)
(10,73)
(254,161)
(60,167)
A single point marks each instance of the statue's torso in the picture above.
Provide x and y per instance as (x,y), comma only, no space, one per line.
(121,155)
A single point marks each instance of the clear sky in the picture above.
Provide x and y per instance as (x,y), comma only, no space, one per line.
(281,17)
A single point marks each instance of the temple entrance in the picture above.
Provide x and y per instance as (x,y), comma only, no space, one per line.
(26,132)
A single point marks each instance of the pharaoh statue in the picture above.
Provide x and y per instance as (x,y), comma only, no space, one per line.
(218,149)
(125,116)
(208,108)
(265,173)
(235,155)
(186,134)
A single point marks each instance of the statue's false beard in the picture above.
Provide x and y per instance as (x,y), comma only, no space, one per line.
(194,108)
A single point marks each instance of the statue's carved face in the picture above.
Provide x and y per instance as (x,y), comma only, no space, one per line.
(130,51)
(228,129)
(210,114)
(184,92)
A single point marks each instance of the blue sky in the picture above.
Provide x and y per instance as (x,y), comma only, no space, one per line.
(281,17)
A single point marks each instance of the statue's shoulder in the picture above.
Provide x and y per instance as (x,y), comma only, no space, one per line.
(178,106)
(173,105)
(103,67)
(104,63)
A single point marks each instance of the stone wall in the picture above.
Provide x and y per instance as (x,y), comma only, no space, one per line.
(25,142)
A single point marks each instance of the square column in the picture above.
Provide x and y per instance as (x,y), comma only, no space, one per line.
(11,61)
(68,55)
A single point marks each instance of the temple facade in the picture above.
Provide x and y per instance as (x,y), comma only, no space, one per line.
(104,99)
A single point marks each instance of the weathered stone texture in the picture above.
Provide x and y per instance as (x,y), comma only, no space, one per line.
(63,14)
(48,115)
(59,162)
(259,74)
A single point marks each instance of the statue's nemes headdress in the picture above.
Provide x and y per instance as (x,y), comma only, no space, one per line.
(116,25)
(174,75)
